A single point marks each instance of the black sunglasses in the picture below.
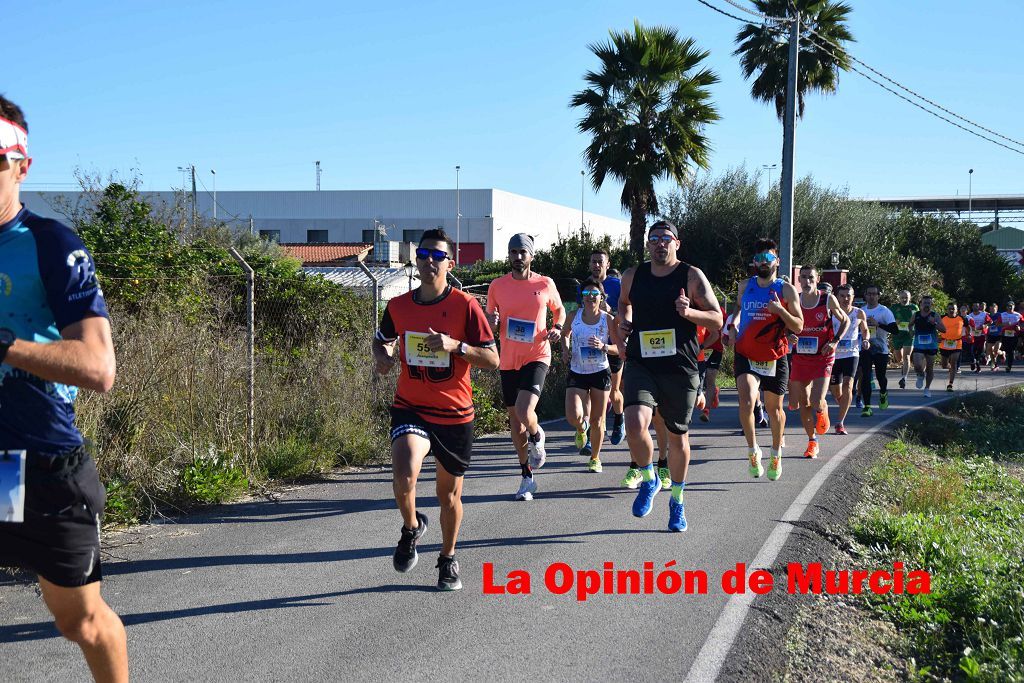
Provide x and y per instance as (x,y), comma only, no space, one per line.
(422,253)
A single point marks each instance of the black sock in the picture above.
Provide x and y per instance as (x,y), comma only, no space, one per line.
(633,465)
(527,470)
(616,418)
(662,462)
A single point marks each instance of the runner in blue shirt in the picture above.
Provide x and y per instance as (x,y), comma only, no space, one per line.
(54,338)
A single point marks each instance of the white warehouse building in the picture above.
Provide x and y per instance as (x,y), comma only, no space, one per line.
(489,217)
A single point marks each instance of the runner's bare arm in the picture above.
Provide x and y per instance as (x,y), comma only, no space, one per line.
(567,334)
(625,316)
(791,313)
(384,355)
(703,309)
(83,358)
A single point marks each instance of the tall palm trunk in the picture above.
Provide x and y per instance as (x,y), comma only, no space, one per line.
(637,229)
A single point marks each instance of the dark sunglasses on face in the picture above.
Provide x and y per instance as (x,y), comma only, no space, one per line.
(591,292)
(665,239)
(436,254)
(766,257)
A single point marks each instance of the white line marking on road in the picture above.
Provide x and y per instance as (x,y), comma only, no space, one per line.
(708,663)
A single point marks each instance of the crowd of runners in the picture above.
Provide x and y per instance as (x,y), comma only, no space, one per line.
(642,353)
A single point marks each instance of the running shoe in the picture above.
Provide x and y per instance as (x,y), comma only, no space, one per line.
(927,393)
(666,478)
(538,456)
(448,574)
(762,418)
(617,433)
(866,412)
(406,556)
(841,429)
(632,478)
(977,369)
(775,466)
(527,487)
(1008,368)
(949,387)
(792,406)
(645,497)
(920,381)
(860,402)
(756,469)
(594,466)
(587,448)
(883,400)
(812,450)
(903,382)
(705,415)
(821,422)
(581,437)
(714,399)
(676,516)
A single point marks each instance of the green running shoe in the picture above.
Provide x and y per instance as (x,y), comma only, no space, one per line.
(632,478)
(756,468)
(581,437)
(594,466)
(866,412)
(775,466)
(883,400)
(666,478)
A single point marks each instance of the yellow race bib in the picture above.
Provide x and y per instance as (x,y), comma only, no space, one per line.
(657,343)
(417,353)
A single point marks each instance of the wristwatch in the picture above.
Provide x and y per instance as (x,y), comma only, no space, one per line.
(463,348)
(7,338)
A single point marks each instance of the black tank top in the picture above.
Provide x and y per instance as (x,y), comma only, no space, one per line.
(654,308)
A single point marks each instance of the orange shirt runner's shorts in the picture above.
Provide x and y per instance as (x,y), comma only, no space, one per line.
(522,306)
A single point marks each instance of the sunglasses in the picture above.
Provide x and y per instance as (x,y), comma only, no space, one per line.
(436,254)
(664,239)
(765,257)
(591,292)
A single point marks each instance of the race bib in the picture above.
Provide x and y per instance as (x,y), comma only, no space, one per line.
(417,353)
(949,344)
(977,333)
(12,486)
(591,357)
(1009,333)
(845,345)
(765,368)
(806,345)
(657,343)
(520,330)
(903,327)
(872,324)
(925,339)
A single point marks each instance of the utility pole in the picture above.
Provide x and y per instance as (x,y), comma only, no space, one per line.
(195,196)
(252,230)
(318,176)
(213,172)
(970,194)
(458,218)
(789,148)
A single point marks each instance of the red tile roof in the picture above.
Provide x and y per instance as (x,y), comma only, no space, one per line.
(327,254)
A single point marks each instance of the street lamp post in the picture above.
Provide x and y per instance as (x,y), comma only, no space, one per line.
(458,218)
(409,268)
(769,167)
(970,194)
(214,173)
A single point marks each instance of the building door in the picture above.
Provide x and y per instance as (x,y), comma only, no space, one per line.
(470,253)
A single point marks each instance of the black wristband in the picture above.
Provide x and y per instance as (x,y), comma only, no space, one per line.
(557,326)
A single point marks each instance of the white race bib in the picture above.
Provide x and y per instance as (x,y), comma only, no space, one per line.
(925,340)
(765,368)
(417,353)
(949,344)
(12,486)
(520,330)
(591,357)
(657,343)
(806,345)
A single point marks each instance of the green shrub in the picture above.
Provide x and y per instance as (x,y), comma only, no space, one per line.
(215,478)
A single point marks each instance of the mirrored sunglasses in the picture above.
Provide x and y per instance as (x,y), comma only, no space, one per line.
(436,254)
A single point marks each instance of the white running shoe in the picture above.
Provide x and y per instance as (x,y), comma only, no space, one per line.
(920,381)
(527,488)
(538,456)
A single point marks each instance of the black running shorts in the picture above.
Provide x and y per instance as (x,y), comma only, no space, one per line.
(600,381)
(60,537)
(451,445)
(673,394)
(529,378)
(844,368)
(777,384)
(614,363)
(715,360)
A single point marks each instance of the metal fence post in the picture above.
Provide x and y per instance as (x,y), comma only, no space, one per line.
(250,292)
(457,281)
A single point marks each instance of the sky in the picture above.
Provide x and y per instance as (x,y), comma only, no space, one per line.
(395,95)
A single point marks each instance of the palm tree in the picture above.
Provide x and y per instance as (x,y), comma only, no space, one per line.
(764,50)
(645,110)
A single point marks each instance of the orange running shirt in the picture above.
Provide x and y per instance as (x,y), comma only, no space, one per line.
(523,309)
(952,338)
(440,394)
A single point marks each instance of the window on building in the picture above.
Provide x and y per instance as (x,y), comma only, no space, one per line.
(316,236)
(369,236)
(271,235)
(412,236)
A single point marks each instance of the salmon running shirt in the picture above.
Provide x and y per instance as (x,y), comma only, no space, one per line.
(522,307)
(435,384)
(952,338)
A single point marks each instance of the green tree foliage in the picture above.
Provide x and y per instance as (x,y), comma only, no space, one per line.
(645,110)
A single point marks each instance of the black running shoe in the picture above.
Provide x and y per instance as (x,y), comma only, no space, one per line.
(405,554)
(448,574)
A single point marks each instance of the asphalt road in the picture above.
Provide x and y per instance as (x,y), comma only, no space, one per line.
(303,588)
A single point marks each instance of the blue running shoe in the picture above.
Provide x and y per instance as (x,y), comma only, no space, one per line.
(587,448)
(645,497)
(676,516)
(618,432)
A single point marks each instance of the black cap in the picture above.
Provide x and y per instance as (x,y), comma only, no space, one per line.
(664,225)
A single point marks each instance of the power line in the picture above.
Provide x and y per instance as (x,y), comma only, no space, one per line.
(908,90)
(759,15)
(723,12)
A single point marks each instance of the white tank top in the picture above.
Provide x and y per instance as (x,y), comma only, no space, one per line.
(587,360)
(849,344)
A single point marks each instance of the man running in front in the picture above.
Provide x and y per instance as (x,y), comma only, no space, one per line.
(662,303)
(951,342)
(844,371)
(768,308)
(881,323)
(1010,321)
(439,333)
(903,338)
(518,305)
(54,338)
(815,355)
(926,326)
(978,321)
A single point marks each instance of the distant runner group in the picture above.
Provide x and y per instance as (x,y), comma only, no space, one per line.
(647,348)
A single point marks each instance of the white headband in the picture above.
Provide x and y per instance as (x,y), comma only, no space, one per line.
(13,140)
